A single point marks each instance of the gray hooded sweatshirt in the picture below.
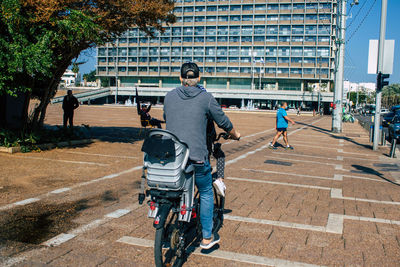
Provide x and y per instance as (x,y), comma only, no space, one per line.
(186,111)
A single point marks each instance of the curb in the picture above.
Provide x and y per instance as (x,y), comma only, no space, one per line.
(13,150)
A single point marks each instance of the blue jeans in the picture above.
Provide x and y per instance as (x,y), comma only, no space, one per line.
(203,180)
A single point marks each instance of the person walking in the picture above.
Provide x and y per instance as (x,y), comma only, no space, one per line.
(70,103)
(282,120)
(187,110)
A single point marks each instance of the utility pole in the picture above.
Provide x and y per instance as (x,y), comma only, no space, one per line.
(382,33)
(338,94)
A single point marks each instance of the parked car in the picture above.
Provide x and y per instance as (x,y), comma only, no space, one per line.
(394,127)
(224,106)
(388,117)
(233,107)
(384,111)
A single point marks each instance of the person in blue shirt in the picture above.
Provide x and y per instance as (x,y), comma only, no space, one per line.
(282,120)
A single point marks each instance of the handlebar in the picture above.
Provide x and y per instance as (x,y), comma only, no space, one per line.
(226,136)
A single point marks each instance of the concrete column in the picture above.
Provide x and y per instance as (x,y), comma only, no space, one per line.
(119,82)
(98,82)
(139,81)
(228,84)
(276,85)
(204,83)
(160,83)
(328,88)
(302,86)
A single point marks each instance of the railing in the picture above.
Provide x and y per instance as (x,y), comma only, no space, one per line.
(86,96)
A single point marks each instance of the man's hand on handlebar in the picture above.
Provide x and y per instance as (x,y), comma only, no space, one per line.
(235,135)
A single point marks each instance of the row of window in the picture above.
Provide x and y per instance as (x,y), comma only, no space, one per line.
(232,18)
(218,51)
(256,60)
(251,7)
(211,70)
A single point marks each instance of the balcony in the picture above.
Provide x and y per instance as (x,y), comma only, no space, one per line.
(272,11)
(309,65)
(295,75)
(308,76)
(298,11)
(283,75)
(298,65)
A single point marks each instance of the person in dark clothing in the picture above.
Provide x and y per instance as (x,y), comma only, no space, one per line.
(70,103)
(145,117)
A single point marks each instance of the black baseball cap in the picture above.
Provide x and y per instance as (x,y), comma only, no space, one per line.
(190,70)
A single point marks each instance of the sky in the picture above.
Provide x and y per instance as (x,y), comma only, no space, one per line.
(363,23)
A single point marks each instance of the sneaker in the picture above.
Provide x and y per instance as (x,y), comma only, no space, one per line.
(289,147)
(220,187)
(214,240)
(272,147)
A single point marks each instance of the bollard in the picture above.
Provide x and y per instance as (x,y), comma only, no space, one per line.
(393,148)
(383,138)
(380,134)
(371,133)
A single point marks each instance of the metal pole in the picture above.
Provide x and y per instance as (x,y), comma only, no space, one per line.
(338,95)
(380,69)
(259,87)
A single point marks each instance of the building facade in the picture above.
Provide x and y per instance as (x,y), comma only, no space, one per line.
(270,45)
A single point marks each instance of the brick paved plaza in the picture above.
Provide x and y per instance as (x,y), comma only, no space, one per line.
(332,201)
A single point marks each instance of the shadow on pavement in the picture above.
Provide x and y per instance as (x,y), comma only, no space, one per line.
(363,169)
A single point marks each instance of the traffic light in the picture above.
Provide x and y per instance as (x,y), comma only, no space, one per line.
(380,81)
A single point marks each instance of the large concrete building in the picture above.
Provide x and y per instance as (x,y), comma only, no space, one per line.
(265,50)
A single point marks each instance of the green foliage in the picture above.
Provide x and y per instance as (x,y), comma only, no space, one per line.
(90,77)
(30,141)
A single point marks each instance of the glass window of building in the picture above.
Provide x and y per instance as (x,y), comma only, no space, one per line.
(176,39)
(143,69)
(143,59)
(132,69)
(235,18)
(247,7)
(245,70)
(311,17)
(285,17)
(211,39)
(298,17)
(102,59)
(235,8)
(272,18)
(309,51)
(271,51)
(199,39)
(210,59)
(234,30)
(259,29)
(187,59)
(211,18)
(234,59)
(259,38)
(309,60)
(222,51)
(198,51)
(296,60)
(175,59)
(188,9)
(325,6)
(200,8)
(311,39)
(153,69)
(322,29)
(297,29)
(312,6)
(199,30)
(311,29)
(188,39)
(272,39)
(323,39)
(178,9)
(223,8)
(270,60)
(272,29)
(176,31)
(211,8)
(247,39)
(221,59)
(284,39)
(247,30)
(200,19)
(259,7)
(198,59)
(233,70)
(175,69)
(187,30)
(222,39)
(282,70)
(210,51)
(133,32)
(122,69)
(153,59)
(112,52)
(259,18)
(284,30)
(234,39)
(210,70)
(179,19)
(245,59)
(144,40)
(283,51)
(247,17)
(176,51)
(233,51)
(188,19)
(297,52)
(165,39)
(222,30)
(245,50)
(187,51)
(211,30)
(102,52)
(283,60)
(132,59)
(286,6)
(323,51)
(143,51)
(308,71)
(223,18)
(164,59)
(164,69)
(272,7)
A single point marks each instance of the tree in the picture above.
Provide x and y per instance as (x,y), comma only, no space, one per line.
(40,38)
(90,77)
(391,95)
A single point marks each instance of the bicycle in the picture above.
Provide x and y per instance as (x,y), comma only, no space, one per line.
(175,209)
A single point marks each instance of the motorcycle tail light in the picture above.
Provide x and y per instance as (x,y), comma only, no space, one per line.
(183,209)
(152,205)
